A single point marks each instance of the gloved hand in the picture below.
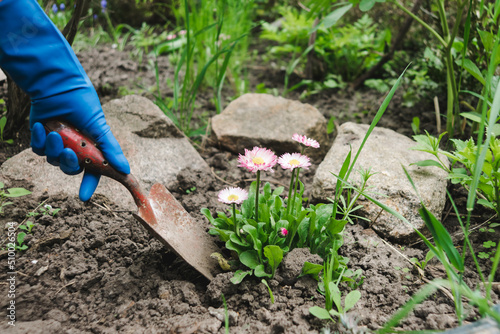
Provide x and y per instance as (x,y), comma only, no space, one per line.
(39,59)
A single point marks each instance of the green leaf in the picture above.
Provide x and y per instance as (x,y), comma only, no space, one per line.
(333,17)
(320,313)
(429,256)
(472,115)
(428,163)
(275,255)
(261,272)
(252,231)
(20,238)
(17,192)
(267,191)
(3,121)
(303,231)
(351,299)
(366,5)
(470,67)
(208,215)
(487,39)
(312,269)
(335,226)
(278,191)
(250,259)
(331,125)
(486,203)
(335,295)
(442,238)
(235,247)
(239,275)
(268,289)
(237,240)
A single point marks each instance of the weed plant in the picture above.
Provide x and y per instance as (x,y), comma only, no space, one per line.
(480,178)
(5,194)
(345,51)
(180,107)
(455,46)
(219,24)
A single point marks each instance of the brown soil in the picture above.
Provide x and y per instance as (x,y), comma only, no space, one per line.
(93,269)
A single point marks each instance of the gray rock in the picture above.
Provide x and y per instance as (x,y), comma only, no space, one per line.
(156,150)
(3,77)
(268,121)
(385,152)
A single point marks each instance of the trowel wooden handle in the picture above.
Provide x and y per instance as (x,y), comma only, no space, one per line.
(89,155)
(91,158)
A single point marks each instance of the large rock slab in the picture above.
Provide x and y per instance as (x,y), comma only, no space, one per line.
(157,151)
(269,121)
(385,152)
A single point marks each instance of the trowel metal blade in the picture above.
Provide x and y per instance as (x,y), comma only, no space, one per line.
(175,227)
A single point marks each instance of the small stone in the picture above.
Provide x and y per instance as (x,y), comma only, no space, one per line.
(56,315)
(220,314)
(269,121)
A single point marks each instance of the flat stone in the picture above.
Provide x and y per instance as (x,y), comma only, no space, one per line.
(3,77)
(269,121)
(385,152)
(156,150)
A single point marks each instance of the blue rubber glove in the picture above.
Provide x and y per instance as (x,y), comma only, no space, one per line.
(38,58)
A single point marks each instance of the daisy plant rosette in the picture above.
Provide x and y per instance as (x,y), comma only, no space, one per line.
(269,225)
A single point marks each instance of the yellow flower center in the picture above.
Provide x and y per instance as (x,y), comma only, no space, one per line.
(232,197)
(294,162)
(258,160)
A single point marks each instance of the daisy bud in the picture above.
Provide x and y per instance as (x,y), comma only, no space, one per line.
(283,232)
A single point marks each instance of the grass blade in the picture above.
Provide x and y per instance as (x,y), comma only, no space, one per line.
(483,147)
(377,118)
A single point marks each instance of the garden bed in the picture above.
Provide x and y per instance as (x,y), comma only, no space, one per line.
(91,268)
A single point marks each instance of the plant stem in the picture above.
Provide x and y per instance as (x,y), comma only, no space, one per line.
(422,23)
(257,197)
(444,22)
(452,83)
(290,193)
(235,221)
(493,271)
(295,190)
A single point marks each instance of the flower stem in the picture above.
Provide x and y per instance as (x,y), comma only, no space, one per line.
(235,222)
(257,197)
(290,193)
(295,190)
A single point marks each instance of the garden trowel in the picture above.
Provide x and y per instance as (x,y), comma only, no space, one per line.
(159,211)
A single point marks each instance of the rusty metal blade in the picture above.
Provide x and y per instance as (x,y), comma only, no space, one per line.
(179,231)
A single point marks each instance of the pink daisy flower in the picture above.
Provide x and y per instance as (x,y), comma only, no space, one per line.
(283,232)
(258,159)
(304,140)
(233,195)
(294,160)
